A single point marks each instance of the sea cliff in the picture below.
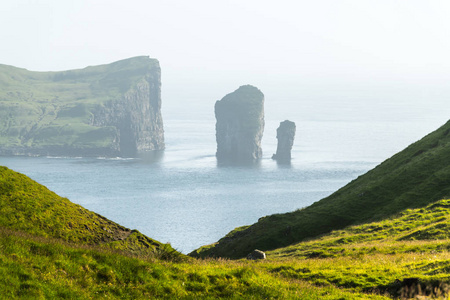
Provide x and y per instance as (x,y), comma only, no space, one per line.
(106,110)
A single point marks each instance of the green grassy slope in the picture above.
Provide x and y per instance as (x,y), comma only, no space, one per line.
(54,110)
(376,256)
(39,268)
(424,229)
(41,258)
(413,178)
(51,248)
(31,208)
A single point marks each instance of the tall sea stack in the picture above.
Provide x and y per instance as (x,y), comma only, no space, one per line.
(285,136)
(240,125)
(107,110)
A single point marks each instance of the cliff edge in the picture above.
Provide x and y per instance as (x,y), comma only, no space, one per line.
(107,110)
(240,125)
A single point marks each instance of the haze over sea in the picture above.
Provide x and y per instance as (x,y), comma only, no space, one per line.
(183,197)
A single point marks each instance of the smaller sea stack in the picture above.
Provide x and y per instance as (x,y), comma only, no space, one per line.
(285,136)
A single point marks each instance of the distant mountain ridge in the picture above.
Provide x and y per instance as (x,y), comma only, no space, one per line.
(412,178)
(106,110)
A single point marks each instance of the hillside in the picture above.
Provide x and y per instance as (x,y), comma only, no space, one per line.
(413,178)
(31,208)
(402,256)
(424,229)
(51,248)
(33,268)
(106,110)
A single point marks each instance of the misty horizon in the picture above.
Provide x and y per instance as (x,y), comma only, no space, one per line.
(365,55)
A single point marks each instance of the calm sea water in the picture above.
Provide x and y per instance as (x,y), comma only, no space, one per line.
(183,197)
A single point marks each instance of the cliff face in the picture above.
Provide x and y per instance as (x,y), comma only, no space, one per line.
(136,116)
(107,110)
(285,136)
(240,125)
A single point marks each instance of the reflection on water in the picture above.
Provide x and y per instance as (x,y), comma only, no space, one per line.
(284,164)
(225,163)
(151,157)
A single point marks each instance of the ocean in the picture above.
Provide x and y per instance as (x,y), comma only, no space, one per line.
(183,197)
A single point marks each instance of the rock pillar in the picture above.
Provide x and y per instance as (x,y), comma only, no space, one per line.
(285,136)
(240,125)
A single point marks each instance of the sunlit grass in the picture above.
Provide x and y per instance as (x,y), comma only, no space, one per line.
(42,267)
(51,248)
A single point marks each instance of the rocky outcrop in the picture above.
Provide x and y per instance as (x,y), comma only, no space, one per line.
(285,136)
(256,254)
(107,110)
(240,125)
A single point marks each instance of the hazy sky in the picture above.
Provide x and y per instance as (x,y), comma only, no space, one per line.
(289,49)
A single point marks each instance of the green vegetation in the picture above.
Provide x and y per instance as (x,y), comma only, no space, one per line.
(54,112)
(42,256)
(369,257)
(412,230)
(33,268)
(413,178)
(28,207)
(52,248)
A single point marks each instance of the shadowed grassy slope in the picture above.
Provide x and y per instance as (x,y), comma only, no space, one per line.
(376,256)
(423,230)
(29,207)
(413,178)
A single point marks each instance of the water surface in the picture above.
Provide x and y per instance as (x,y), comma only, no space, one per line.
(182,196)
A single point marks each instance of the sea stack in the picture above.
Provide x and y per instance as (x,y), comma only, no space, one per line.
(240,125)
(285,136)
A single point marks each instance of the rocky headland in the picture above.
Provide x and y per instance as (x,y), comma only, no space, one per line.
(285,137)
(107,110)
(240,125)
